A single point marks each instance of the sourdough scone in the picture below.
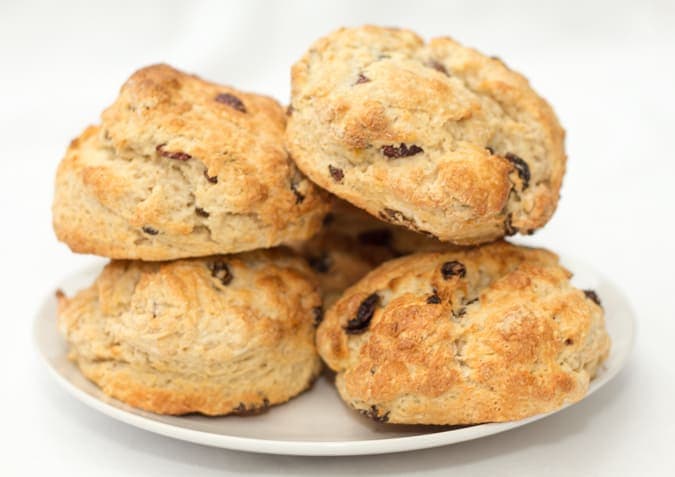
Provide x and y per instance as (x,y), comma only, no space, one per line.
(433,136)
(214,335)
(493,333)
(352,243)
(182,167)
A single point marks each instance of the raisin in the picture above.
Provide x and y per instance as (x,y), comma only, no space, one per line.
(362,79)
(364,314)
(453,268)
(212,180)
(374,413)
(221,271)
(593,296)
(150,231)
(521,167)
(393,152)
(321,264)
(509,228)
(377,237)
(439,67)
(232,101)
(318,315)
(336,173)
(490,150)
(243,409)
(434,299)
(179,156)
(569,341)
(201,212)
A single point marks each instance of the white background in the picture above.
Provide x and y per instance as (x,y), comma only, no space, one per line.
(608,68)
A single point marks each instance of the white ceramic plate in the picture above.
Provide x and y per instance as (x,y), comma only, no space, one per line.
(317,422)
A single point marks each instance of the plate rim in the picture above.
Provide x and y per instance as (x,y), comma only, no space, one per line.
(327,448)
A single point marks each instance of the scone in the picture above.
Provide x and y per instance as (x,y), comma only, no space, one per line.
(432,136)
(352,243)
(181,167)
(492,333)
(214,335)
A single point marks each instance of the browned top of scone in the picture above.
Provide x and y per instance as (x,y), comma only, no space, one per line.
(183,167)
(485,334)
(434,136)
(161,110)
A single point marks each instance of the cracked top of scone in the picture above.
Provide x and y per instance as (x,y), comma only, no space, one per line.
(183,167)
(491,333)
(215,335)
(433,136)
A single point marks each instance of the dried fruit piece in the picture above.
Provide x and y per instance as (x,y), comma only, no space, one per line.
(393,152)
(362,79)
(149,230)
(232,101)
(434,299)
(221,271)
(439,67)
(212,180)
(177,155)
(364,314)
(374,413)
(336,173)
(593,296)
(452,269)
(521,167)
(201,212)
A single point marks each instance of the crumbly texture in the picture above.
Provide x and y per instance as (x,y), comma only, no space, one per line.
(492,333)
(352,243)
(214,335)
(181,167)
(432,136)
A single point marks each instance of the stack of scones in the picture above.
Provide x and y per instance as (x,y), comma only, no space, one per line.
(361,227)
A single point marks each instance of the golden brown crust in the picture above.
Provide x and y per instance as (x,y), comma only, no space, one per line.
(183,167)
(215,335)
(492,333)
(436,137)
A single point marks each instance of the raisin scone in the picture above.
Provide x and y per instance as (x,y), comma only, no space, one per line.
(213,335)
(492,333)
(352,243)
(182,167)
(433,136)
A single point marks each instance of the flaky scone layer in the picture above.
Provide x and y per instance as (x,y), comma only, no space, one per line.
(214,335)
